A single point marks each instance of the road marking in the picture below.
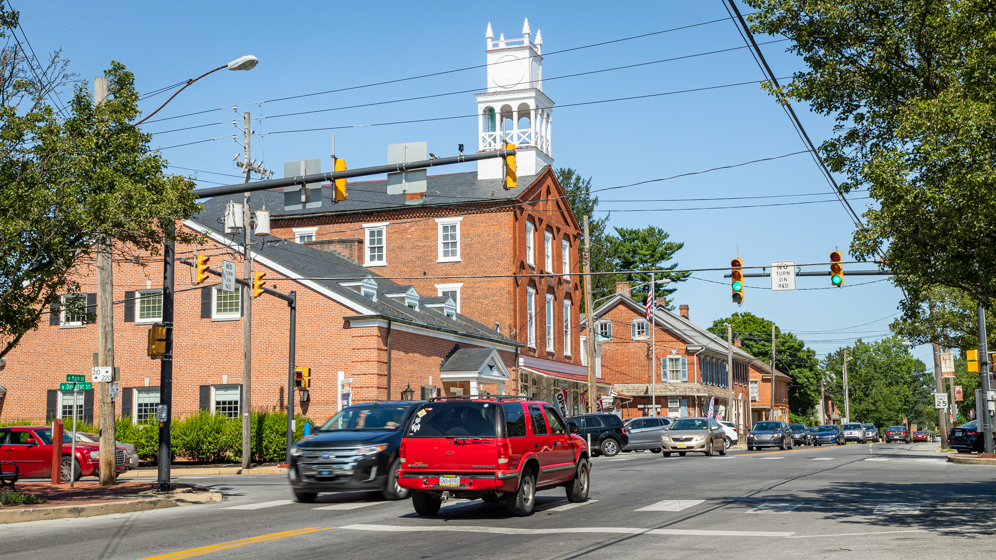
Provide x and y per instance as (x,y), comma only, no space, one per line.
(263,505)
(568,506)
(344,507)
(770,458)
(776,507)
(876,459)
(671,505)
(614,459)
(823,458)
(566,530)
(458,504)
(835,535)
(235,544)
(933,460)
(897,509)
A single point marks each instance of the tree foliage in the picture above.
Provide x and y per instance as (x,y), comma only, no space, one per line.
(646,249)
(68,182)
(583,203)
(910,84)
(792,357)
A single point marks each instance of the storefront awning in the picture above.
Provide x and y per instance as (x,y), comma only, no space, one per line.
(562,375)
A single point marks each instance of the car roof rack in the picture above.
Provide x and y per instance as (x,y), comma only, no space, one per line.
(480,397)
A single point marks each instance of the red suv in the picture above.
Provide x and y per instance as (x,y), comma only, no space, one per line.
(30,447)
(493,448)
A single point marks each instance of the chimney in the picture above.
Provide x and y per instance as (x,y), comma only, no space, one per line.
(624,288)
(736,342)
(683,308)
(662,302)
(414,196)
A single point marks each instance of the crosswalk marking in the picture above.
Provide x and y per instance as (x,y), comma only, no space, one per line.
(568,506)
(876,459)
(823,458)
(671,505)
(776,507)
(262,505)
(344,507)
(897,509)
(456,505)
(771,458)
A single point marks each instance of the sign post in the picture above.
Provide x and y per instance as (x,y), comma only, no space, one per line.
(782,276)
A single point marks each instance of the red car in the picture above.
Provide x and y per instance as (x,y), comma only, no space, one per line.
(921,436)
(493,448)
(30,447)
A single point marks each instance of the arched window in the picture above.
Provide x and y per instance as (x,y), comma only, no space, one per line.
(489,119)
(524,116)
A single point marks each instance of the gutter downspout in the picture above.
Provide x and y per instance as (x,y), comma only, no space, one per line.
(388,361)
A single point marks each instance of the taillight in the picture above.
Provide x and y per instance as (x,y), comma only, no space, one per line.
(972,433)
(903,434)
(624,430)
(401,451)
(504,453)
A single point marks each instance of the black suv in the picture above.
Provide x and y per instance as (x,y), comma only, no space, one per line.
(608,435)
(357,449)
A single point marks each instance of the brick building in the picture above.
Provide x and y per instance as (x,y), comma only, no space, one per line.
(689,362)
(351,324)
(761,397)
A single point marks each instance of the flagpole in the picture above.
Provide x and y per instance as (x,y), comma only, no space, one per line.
(652,306)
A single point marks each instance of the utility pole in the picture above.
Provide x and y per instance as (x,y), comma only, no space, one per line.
(105,335)
(823,403)
(247,320)
(939,382)
(847,396)
(729,372)
(653,345)
(590,323)
(987,416)
(772,372)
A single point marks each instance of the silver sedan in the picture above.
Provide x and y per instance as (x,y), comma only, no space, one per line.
(698,435)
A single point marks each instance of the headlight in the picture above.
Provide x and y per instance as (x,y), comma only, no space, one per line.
(297,451)
(372,449)
(699,438)
(95,454)
(665,438)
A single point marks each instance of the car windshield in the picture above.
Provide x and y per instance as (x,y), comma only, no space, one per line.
(690,424)
(828,428)
(797,427)
(367,418)
(870,426)
(897,428)
(767,426)
(456,420)
(852,426)
(973,424)
(45,435)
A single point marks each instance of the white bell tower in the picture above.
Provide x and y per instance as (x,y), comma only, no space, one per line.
(515,104)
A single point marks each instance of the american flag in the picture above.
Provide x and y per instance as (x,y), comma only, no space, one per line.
(650,299)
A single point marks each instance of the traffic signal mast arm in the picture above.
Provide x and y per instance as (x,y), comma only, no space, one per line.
(822,273)
(347,174)
(241,282)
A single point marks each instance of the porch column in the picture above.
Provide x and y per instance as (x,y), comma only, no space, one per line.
(473,387)
(501,388)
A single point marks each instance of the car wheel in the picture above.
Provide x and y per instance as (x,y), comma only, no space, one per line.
(426,503)
(392,490)
(656,450)
(750,448)
(305,497)
(609,447)
(65,469)
(681,454)
(666,453)
(577,488)
(722,450)
(708,451)
(783,447)
(727,443)
(521,502)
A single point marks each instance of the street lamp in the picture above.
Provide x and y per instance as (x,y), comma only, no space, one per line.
(408,394)
(169,258)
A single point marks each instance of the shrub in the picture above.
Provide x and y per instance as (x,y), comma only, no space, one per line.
(12,498)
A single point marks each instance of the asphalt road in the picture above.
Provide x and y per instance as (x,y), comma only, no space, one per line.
(859,501)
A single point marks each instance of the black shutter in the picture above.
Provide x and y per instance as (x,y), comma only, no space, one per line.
(242,295)
(205,397)
(53,315)
(129,307)
(126,395)
(91,303)
(51,402)
(242,397)
(88,406)
(206,302)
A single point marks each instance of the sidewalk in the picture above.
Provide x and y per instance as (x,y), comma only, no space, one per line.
(972,459)
(89,499)
(202,471)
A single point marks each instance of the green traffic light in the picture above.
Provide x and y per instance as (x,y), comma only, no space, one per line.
(837,279)
(737,287)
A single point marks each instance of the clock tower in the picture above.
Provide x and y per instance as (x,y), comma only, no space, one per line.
(514,108)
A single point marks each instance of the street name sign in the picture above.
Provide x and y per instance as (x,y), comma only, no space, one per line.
(940,400)
(75,378)
(102,374)
(782,276)
(228,276)
(75,386)
(947,364)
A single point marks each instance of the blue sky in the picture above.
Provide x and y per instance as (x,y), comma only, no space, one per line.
(309,47)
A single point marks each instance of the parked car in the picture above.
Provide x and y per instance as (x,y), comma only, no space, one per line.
(132,460)
(608,435)
(698,435)
(645,433)
(828,434)
(897,433)
(921,435)
(357,449)
(854,432)
(493,448)
(732,435)
(800,434)
(770,433)
(31,448)
(966,438)
(871,433)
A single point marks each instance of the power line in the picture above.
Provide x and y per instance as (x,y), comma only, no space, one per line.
(719,207)
(41,83)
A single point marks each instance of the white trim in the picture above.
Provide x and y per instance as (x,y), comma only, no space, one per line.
(551,326)
(214,398)
(62,311)
(283,270)
(530,317)
(138,306)
(548,252)
(561,367)
(646,328)
(440,222)
(565,256)
(228,316)
(367,229)
(382,323)
(567,327)
(530,244)
(80,400)
(440,288)
(134,400)
(301,231)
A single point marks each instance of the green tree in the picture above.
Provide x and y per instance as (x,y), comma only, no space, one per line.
(69,182)
(583,203)
(910,85)
(792,357)
(645,249)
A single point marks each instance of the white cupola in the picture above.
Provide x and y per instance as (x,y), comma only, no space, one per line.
(515,105)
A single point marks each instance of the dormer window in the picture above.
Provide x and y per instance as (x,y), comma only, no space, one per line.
(368,289)
(449,308)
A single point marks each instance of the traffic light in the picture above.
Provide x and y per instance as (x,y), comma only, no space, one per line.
(339,190)
(836,269)
(511,179)
(257,283)
(202,268)
(157,341)
(738,280)
(972,357)
(302,378)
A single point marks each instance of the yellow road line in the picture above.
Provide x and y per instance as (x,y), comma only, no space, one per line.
(235,544)
(809,448)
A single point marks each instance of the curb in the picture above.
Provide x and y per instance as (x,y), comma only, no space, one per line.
(221,471)
(22,515)
(964,459)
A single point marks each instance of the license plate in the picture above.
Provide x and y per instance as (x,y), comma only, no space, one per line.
(449,481)
(957,432)
(681,445)
(324,473)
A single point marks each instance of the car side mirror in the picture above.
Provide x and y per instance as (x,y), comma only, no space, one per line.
(573,428)
(31,441)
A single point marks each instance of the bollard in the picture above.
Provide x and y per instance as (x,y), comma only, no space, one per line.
(307,430)
(56,451)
